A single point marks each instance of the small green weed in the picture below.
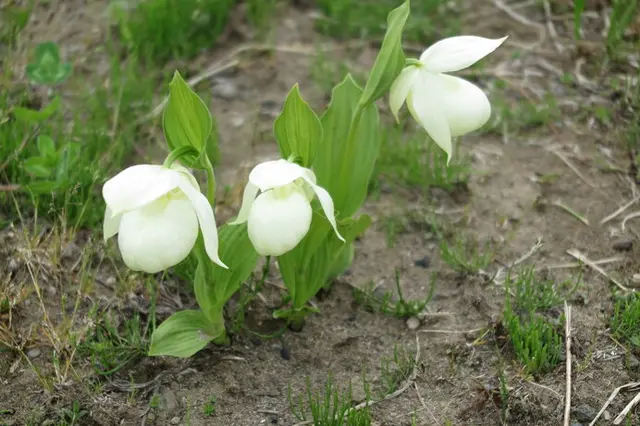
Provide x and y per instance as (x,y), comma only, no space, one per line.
(161,30)
(71,416)
(465,255)
(386,304)
(417,163)
(534,293)
(622,15)
(13,19)
(395,371)
(111,347)
(329,408)
(625,322)
(430,19)
(513,116)
(535,340)
(209,408)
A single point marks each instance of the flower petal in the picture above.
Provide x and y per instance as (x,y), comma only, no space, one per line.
(456,53)
(400,89)
(111,224)
(137,186)
(424,105)
(249,195)
(206,219)
(278,223)
(325,201)
(272,174)
(158,235)
(465,105)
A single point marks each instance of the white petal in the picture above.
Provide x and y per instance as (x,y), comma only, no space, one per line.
(424,105)
(272,174)
(400,89)
(278,223)
(111,224)
(159,235)
(464,104)
(206,218)
(138,185)
(456,53)
(325,201)
(249,195)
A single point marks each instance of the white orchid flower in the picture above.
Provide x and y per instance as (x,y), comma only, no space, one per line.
(444,105)
(280,216)
(155,211)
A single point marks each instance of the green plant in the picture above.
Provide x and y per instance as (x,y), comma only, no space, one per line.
(625,321)
(400,308)
(330,408)
(416,162)
(209,408)
(71,416)
(533,293)
(13,19)
(112,346)
(622,15)
(363,19)
(160,30)
(47,67)
(465,255)
(395,371)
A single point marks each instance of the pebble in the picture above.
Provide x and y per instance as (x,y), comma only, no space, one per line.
(633,364)
(175,420)
(606,415)
(13,265)
(623,244)
(170,400)
(584,413)
(413,323)
(425,262)
(34,353)
(111,281)
(225,89)
(285,353)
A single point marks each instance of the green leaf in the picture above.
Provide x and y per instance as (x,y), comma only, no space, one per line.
(297,129)
(390,60)
(46,146)
(343,166)
(183,334)
(47,68)
(27,115)
(38,167)
(43,187)
(305,269)
(215,285)
(186,119)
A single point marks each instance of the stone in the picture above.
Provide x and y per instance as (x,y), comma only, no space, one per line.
(175,420)
(413,323)
(225,89)
(170,402)
(33,353)
(584,413)
(622,244)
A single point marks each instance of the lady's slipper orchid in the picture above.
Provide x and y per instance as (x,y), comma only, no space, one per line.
(155,211)
(444,105)
(280,216)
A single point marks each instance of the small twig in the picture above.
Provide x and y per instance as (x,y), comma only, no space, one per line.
(619,211)
(567,339)
(569,210)
(9,188)
(550,27)
(232,358)
(573,168)
(595,262)
(438,331)
(627,218)
(545,388)
(626,410)
(611,398)
(509,10)
(582,258)
(274,412)
(424,404)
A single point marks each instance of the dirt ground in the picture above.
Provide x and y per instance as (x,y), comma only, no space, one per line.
(458,346)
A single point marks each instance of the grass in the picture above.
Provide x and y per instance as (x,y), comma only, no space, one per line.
(625,321)
(534,338)
(331,407)
(429,20)
(388,304)
(395,371)
(465,255)
(415,162)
